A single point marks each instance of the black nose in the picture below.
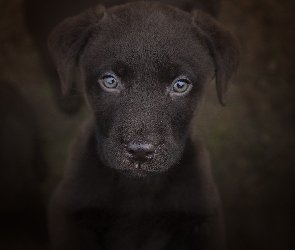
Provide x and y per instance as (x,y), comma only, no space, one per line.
(141,151)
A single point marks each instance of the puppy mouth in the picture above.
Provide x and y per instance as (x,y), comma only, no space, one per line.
(136,169)
(138,172)
(142,166)
(137,165)
(139,161)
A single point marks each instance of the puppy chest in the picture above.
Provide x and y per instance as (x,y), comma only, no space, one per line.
(140,231)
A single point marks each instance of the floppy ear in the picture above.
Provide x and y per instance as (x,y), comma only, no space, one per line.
(67,41)
(223,49)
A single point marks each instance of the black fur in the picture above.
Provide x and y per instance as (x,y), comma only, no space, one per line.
(42,16)
(135,178)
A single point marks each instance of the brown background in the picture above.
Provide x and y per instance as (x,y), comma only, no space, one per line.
(251,141)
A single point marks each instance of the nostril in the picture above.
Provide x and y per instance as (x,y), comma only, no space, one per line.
(141,151)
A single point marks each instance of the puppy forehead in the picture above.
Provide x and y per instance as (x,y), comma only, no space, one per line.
(150,36)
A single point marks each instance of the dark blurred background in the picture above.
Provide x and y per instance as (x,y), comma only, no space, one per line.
(251,141)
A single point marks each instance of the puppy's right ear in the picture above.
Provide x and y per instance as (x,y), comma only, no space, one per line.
(67,41)
(223,47)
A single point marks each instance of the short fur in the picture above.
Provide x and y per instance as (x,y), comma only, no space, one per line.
(135,178)
(42,16)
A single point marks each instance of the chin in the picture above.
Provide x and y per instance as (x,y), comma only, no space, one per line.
(139,171)
(139,174)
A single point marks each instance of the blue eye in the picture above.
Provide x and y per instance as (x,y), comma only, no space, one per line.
(110,82)
(180,86)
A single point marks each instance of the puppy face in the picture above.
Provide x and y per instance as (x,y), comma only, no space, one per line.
(144,68)
(144,75)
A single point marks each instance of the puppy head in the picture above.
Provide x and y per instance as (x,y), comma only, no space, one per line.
(144,66)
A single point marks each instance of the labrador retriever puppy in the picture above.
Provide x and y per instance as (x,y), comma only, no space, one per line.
(136,178)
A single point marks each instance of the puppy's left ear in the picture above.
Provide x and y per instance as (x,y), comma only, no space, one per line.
(67,41)
(223,49)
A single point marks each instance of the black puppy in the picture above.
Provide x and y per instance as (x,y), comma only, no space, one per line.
(135,178)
